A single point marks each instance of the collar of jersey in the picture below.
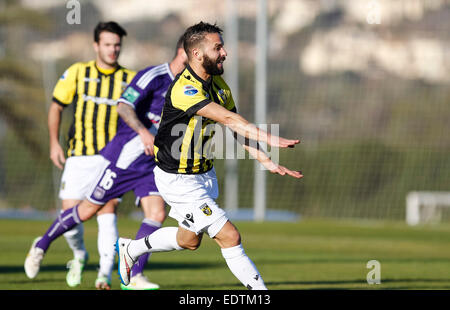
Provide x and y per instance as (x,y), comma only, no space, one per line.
(106,71)
(206,84)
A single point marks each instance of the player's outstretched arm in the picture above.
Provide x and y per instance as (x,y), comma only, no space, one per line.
(262,157)
(242,127)
(128,114)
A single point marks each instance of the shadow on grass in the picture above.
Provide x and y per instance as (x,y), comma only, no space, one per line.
(345,284)
(355,281)
(325,285)
(340,260)
(94,267)
(339,284)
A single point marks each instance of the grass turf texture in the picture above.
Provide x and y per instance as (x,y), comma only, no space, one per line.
(310,254)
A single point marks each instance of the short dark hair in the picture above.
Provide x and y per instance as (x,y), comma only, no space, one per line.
(196,33)
(110,27)
(180,44)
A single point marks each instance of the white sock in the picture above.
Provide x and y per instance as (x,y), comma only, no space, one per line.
(107,237)
(243,268)
(162,240)
(74,238)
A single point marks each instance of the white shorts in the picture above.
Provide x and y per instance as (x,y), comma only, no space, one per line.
(79,172)
(192,200)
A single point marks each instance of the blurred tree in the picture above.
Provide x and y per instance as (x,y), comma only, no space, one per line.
(21,92)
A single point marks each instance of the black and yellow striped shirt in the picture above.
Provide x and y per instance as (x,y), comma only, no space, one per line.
(183,141)
(94,93)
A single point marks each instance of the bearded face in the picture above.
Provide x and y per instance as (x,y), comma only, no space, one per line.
(213,54)
(213,66)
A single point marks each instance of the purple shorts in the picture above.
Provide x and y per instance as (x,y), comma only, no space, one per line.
(113,182)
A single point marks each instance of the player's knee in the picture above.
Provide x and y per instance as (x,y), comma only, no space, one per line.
(234,237)
(87,210)
(154,208)
(157,215)
(228,236)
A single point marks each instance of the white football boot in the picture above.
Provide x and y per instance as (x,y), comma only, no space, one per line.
(140,282)
(125,261)
(75,267)
(33,260)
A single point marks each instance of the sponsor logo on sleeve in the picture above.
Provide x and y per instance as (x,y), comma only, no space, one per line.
(64,75)
(190,90)
(130,94)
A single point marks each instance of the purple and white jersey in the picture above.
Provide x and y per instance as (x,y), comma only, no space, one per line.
(146,94)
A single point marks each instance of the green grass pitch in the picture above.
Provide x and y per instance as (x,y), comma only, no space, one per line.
(307,255)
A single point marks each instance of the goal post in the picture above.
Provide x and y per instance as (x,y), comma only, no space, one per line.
(260,183)
(422,207)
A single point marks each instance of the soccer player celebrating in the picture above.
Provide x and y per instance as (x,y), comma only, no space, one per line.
(185,175)
(126,165)
(93,89)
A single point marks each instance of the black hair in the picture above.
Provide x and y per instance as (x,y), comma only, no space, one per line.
(196,33)
(110,27)
(179,45)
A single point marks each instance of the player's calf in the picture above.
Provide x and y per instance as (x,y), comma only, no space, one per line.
(229,239)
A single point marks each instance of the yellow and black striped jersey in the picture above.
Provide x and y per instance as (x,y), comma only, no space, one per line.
(184,138)
(94,93)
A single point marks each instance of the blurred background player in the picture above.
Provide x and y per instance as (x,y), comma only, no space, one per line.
(93,89)
(140,108)
(185,174)
(126,164)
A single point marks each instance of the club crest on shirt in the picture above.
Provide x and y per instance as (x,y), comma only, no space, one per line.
(222,95)
(206,209)
(99,193)
(189,90)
